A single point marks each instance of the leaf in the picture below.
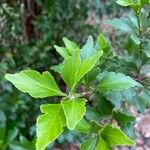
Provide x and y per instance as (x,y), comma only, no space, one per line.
(95,127)
(57,68)
(119,24)
(89,144)
(116,82)
(115,98)
(105,107)
(91,76)
(143,2)
(129,129)
(87,65)
(102,44)
(71,46)
(36,84)
(114,136)
(49,125)
(83,126)
(102,145)
(2,128)
(62,51)
(92,113)
(73,69)
(122,118)
(12,133)
(70,69)
(74,110)
(88,49)
(125,2)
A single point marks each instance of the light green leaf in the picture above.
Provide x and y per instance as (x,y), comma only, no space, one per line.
(83,126)
(74,110)
(36,84)
(70,69)
(88,49)
(62,51)
(49,125)
(125,2)
(116,82)
(102,145)
(71,46)
(114,136)
(73,69)
(89,144)
(57,68)
(102,44)
(87,65)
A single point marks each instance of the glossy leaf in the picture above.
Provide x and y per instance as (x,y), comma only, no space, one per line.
(49,125)
(36,84)
(73,69)
(70,69)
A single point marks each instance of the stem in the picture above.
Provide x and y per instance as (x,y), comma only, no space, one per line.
(138,15)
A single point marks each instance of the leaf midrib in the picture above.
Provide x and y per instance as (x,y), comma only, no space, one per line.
(41,85)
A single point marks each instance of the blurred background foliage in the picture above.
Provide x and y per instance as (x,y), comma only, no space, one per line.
(28,31)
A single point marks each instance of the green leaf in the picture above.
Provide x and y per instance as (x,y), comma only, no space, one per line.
(74,110)
(125,2)
(91,76)
(92,113)
(89,144)
(114,136)
(73,69)
(116,82)
(95,127)
(57,68)
(83,126)
(62,51)
(122,118)
(87,65)
(105,107)
(12,133)
(36,84)
(102,145)
(129,129)
(71,46)
(102,44)
(49,125)
(119,24)
(143,2)
(88,49)
(70,69)
(115,98)
(2,128)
